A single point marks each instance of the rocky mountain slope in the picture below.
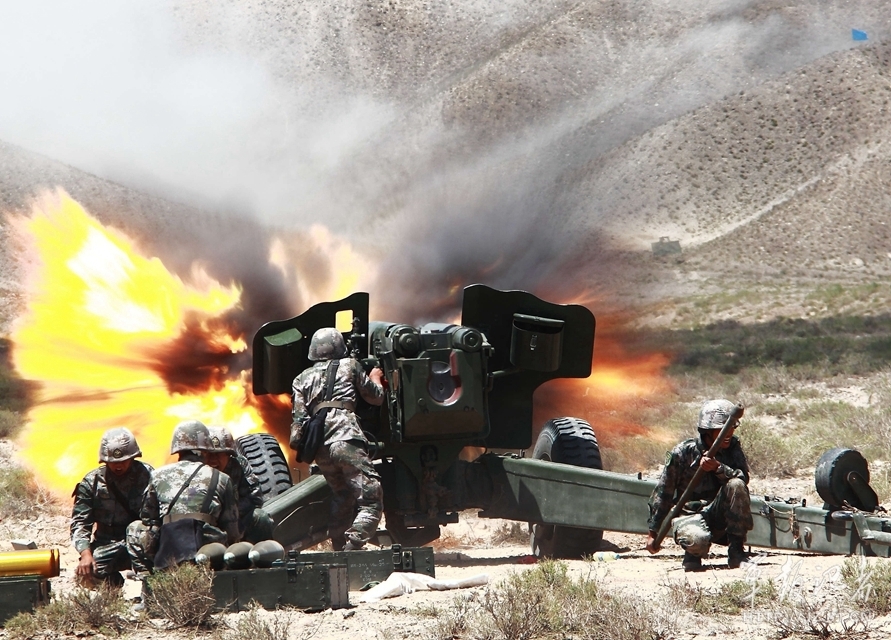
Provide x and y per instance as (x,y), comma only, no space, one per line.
(504,142)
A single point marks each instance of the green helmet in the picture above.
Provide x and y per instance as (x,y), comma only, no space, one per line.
(118,445)
(714,414)
(221,440)
(190,435)
(327,344)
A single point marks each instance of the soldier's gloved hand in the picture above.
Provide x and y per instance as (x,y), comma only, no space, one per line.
(86,566)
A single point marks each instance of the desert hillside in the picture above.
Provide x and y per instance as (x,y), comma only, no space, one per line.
(446,139)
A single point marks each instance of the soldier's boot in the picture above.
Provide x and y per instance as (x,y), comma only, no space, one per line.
(353,544)
(736,553)
(691,562)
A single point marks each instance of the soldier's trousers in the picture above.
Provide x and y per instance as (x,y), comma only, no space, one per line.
(142,543)
(357,503)
(729,514)
(110,557)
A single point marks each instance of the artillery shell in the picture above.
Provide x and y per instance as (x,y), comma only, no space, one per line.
(266,552)
(212,554)
(236,556)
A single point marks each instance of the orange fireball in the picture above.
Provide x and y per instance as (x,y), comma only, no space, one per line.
(98,314)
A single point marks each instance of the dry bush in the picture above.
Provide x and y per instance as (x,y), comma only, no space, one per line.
(81,612)
(546,602)
(822,618)
(183,595)
(511,533)
(869,583)
(253,625)
(21,498)
(728,599)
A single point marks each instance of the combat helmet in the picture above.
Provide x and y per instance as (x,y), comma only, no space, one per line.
(190,435)
(221,439)
(326,344)
(714,414)
(117,445)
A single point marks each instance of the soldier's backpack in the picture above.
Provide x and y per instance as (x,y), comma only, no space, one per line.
(313,434)
(183,534)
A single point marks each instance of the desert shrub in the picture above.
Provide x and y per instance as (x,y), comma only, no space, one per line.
(511,533)
(546,602)
(768,452)
(253,625)
(729,599)
(11,422)
(79,612)
(20,495)
(869,583)
(808,615)
(183,595)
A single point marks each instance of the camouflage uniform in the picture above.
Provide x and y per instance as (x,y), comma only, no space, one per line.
(96,503)
(219,521)
(253,522)
(357,501)
(718,508)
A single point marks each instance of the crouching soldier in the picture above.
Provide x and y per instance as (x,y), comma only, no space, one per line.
(254,523)
(719,509)
(187,504)
(108,498)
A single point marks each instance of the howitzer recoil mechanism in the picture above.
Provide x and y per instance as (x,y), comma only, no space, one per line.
(456,388)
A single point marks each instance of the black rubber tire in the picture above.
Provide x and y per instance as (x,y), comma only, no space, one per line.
(831,478)
(267,461)
(569,441)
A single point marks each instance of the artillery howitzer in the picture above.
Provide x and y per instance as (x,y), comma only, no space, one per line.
(471,385)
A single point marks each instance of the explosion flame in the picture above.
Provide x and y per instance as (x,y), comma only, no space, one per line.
(113,338)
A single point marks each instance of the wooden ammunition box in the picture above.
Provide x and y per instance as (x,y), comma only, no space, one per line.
(376,565)
(22,594)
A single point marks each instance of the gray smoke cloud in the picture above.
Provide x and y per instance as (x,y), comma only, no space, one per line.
(453,138)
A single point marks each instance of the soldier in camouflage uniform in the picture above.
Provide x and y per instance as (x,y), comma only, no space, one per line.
(108,498)
(254,524)
(187,490)
(719,509)
(357,503)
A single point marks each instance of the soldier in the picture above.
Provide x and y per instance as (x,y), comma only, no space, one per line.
(187,504)
(109,498)
(343,455)
(254,524)
(719,509)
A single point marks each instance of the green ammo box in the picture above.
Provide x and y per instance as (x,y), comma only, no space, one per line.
(291,584)
(374,565)
(22,594)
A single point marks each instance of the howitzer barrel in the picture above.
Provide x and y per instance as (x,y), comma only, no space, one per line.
(42,562)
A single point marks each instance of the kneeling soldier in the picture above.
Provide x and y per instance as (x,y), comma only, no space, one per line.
(187,504)
(108,498)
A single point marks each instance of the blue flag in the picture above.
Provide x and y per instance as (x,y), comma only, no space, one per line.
(856,34)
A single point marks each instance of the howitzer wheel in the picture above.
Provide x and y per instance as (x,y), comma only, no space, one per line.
(267,461)
(834,484)
(570,441)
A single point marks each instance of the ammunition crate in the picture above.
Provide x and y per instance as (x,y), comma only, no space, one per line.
(22,594)
(364,567)
(308,587)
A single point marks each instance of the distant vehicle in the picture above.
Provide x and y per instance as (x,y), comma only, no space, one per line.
(666,247)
